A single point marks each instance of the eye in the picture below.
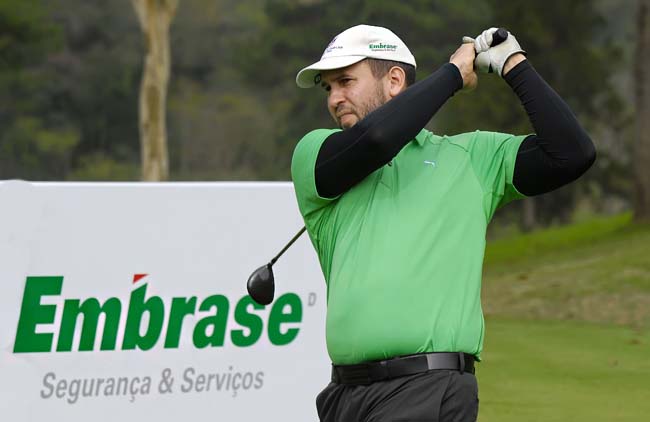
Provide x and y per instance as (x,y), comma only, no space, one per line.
(345,81)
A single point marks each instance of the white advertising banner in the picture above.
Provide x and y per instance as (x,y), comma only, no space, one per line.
(127,301)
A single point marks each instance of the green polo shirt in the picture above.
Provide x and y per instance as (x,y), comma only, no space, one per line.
(402,251)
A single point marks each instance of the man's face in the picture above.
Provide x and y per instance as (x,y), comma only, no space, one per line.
(352,93)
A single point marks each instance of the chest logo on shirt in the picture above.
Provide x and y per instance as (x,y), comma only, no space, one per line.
(432,163)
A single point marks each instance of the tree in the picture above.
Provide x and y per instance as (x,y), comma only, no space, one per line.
(295,33)
(642,143)
(69,73)
(564,41)
(219,127)
(94,80)
(34,143)
(155,18)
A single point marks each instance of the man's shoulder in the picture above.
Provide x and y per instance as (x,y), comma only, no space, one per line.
(317,135)
(462,140)
(306,150)
(468,139)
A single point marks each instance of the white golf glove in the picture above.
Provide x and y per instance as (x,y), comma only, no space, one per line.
(490,58)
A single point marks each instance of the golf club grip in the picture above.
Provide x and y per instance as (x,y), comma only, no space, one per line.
(499,36)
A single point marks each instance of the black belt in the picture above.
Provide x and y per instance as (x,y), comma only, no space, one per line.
(366,373)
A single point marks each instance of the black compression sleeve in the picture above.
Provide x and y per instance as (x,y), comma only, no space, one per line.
(347,157)
(561,151)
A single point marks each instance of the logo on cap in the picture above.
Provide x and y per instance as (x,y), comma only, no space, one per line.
(331,47)
(382,47)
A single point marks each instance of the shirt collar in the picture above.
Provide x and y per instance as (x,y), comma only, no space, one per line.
(421,137)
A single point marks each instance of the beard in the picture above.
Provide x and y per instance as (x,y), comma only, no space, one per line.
(376,100)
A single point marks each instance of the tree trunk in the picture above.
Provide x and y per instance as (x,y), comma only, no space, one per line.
(528,214)
(642,142)
(155,17)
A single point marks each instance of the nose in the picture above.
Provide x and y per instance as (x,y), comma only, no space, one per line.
(335,98)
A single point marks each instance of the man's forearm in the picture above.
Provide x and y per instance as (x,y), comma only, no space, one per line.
(347,157)
(513,61)
(560,151)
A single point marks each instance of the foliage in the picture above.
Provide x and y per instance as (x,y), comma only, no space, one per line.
(31,138)
(567,42)
(70,78)
(272,59)
(219,128)
(73,70)
(563,39)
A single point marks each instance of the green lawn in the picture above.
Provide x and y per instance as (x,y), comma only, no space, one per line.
(597,271)
(568,325)
(563,371)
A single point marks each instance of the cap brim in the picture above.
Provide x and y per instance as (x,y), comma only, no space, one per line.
(307,77)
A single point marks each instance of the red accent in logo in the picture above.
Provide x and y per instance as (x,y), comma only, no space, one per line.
(138,277)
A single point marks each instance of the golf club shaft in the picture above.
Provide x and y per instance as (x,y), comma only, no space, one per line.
(288,245)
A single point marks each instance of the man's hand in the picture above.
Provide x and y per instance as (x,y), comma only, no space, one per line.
(495,58)
(463,58)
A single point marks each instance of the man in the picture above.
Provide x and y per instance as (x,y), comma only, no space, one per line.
(398,217)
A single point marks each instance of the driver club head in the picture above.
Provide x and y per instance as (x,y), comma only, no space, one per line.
(261,285)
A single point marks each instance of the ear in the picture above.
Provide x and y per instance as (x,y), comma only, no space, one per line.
(396,80)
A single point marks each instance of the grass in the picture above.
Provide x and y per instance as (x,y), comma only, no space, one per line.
(563,371)
(596,271)
(568,324)
(557,240)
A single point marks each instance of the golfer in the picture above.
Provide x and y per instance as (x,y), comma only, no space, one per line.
(398,216)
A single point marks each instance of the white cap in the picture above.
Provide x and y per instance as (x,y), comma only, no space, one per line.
(353,45)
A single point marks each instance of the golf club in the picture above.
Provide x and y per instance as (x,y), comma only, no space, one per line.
(261,284)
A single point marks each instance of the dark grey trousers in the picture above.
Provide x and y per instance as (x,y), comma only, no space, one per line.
(433,396)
